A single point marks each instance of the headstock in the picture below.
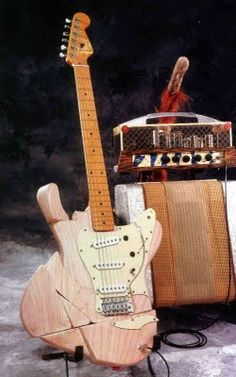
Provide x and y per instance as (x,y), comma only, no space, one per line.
(76,47)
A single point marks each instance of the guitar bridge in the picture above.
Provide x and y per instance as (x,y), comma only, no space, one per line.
(116,305)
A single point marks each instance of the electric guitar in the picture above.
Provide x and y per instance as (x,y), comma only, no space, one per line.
(93,291)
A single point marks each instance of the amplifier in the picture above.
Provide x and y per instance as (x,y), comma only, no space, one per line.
(193,264)
(190,141)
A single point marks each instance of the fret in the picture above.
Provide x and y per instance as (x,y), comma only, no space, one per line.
(87,101)
(91,115)
(101,211)
(98,206)
(99,197)
(97,165)
(105,207)
(87,106)
(93,158)
(94,192)
(97,217)
(99,202)
(102,218)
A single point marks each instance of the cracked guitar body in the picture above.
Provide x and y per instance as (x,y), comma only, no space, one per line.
(93,291)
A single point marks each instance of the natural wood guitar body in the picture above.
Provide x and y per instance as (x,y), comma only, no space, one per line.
(59,302)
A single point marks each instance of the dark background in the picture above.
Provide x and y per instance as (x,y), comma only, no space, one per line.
(136,44)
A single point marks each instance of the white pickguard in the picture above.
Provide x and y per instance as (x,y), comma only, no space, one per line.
(117,268)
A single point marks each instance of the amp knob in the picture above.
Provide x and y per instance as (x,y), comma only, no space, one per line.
(165,159)
(197,158)
(186,158)
(208,157)
(175,159)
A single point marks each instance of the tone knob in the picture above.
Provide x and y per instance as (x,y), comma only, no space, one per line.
(197,158)
(186,158)
(208,157)
(175,158)
(165,159)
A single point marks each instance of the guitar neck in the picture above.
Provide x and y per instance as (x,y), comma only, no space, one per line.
(99,197)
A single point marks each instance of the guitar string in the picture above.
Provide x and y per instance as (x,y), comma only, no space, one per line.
(102,253)
(111,274)
(107,274)
(78,72)
(103,258)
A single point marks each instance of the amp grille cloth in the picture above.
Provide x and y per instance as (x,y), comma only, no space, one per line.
(192,263)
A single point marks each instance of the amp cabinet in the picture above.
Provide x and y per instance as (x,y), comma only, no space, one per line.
(195,261)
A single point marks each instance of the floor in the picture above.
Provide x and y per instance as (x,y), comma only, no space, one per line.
(21,355)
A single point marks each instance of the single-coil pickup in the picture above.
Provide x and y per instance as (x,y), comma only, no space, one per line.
(105,242)
(119,288)
(109,266)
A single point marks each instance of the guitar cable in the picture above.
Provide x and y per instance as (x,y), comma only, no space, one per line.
(201,339)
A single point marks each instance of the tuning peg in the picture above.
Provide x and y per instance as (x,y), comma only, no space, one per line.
(65,34)
(66,26)
(63,47)
(67,21)
(62,55)
(64,40)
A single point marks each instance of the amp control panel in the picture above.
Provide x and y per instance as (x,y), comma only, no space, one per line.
(178,159)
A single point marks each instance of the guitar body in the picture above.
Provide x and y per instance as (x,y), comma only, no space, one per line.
(64,301)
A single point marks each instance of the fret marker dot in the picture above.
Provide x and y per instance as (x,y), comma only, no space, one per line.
(100,204)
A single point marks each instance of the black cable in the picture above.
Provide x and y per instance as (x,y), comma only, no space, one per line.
(201,339)
(150,368)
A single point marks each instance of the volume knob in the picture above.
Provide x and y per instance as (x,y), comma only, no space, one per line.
(208,157)
(175,159)
(186,158)
(165,159)
(197,158)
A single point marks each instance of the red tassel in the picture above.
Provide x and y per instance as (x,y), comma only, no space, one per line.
(172,103)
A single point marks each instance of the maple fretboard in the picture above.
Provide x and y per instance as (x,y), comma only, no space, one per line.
(99,197)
